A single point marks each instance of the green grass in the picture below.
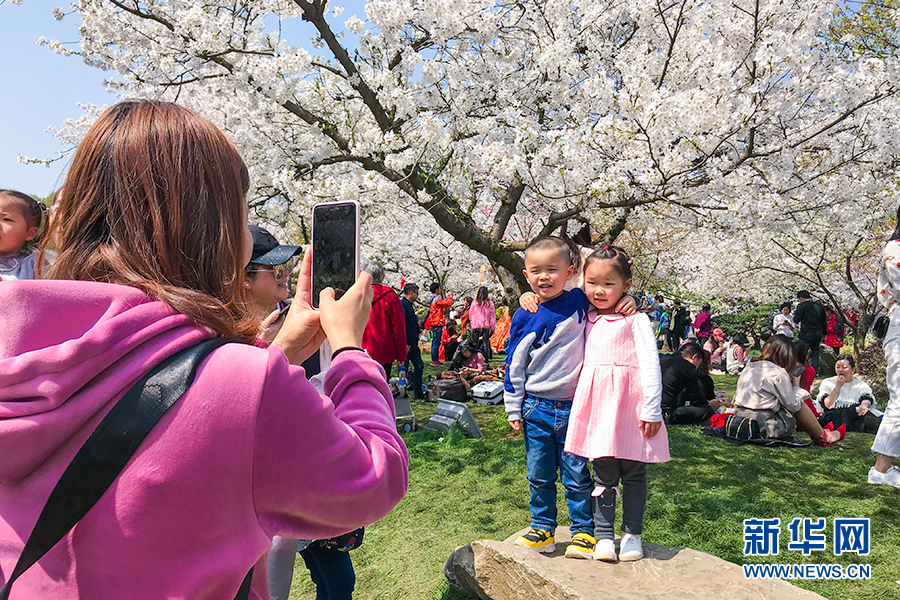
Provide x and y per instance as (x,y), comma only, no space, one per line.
(463,489)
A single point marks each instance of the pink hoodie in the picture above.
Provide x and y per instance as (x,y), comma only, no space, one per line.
(482,315)
(250,451)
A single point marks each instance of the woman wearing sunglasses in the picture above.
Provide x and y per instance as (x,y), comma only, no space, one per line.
(268,272)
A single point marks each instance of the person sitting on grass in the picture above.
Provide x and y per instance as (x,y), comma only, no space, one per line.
(715,347)
(539,386)
(449,342)
(845,400)
(807,373)
(684,400)
(736,354)
(767,393)
(468,356)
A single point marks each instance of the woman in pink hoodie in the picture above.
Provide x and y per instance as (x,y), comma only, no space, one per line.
(483,320)
(151,234)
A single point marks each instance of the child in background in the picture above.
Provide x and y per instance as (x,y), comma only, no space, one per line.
(449,342)
(20,220)
(662,331)
(616,418)
(806,372)
(543,360)
(736,354)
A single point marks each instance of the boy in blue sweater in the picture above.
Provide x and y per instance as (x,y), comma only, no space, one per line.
(543,362)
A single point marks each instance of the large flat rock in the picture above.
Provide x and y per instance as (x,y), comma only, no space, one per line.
(492,570)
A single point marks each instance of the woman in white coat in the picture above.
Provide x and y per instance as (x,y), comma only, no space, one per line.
(887,441)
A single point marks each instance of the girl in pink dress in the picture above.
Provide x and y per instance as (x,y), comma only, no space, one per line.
(616,418)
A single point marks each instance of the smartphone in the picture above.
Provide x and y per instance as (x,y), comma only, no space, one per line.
(335,247)
(283,313)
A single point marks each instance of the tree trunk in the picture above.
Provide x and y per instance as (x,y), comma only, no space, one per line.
(859,332)
(514,285)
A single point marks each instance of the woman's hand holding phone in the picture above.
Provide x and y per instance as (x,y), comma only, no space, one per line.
(344,321)
(301,333)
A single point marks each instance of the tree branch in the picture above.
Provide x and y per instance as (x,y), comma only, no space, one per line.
(314,12)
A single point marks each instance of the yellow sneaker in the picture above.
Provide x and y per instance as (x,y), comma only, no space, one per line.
(582,546)
(537,539)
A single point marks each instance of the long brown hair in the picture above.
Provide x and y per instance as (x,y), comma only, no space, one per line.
(779,350)
(153,200)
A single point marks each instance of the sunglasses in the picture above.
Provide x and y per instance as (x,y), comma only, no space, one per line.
(280,272)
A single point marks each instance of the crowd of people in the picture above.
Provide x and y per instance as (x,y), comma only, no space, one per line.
(284,440)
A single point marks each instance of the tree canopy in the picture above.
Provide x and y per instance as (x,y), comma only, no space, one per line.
(466,127)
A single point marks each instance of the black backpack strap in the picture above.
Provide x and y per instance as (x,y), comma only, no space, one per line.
(108,449)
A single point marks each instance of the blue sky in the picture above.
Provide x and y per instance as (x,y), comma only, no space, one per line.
(43,89)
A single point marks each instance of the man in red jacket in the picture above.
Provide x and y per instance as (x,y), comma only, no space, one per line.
(385,336)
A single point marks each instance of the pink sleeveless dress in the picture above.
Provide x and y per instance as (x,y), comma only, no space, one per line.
(609,398)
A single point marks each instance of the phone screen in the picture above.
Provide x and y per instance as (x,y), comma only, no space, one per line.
(334,248)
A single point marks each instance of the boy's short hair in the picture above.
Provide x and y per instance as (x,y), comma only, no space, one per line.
(435,287)
(803,294)
(552,243)
(409,288)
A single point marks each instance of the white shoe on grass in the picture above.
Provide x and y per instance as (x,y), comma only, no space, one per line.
(630,548)
(889,477)
(605,550)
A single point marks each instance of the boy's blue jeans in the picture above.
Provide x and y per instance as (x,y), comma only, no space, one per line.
(437,332)
(545,423)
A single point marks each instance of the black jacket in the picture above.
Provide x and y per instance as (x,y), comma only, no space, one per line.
(681,383)
(412,323)
(681,320)
(810,316)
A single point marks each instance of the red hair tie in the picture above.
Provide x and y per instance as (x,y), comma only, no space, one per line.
(606,247)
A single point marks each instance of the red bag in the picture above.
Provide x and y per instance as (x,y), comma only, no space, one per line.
(718,420)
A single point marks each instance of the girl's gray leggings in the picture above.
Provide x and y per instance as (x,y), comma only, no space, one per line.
(608,472)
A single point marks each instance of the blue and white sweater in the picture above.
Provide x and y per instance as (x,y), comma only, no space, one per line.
(546,351)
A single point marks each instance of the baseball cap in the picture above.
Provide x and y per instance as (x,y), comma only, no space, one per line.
(267,250)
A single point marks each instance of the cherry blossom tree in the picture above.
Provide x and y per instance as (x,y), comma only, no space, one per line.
(478,124)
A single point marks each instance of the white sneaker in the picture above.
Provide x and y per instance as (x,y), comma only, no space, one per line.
(630,548)
(605,550)
(890,477)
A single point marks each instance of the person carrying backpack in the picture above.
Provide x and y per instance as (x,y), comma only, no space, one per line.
(150,231)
